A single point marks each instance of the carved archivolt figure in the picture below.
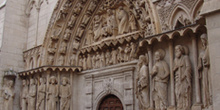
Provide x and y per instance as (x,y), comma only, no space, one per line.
(142,82)
(182,69)
(65,94)
(89,39)
(132,21)
(132,54)
(41,94)
(61,60)
(92,7)
(24,95)
(89,62)
(97,27)
(111,28)
(63,47)
(67,35)
(84,62)
(97,60)
(8,95)
(203,67)
(123,18)
(108,57)
(32,95)
(72,21)
(127,52)
(52,94)
(50,60)
(160,74)
(114,56)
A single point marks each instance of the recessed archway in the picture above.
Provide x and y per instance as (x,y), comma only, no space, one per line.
(110,102)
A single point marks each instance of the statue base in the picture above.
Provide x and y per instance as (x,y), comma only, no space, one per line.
(171,108)
(196,107)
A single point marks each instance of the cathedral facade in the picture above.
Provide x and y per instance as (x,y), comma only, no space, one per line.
(109,54)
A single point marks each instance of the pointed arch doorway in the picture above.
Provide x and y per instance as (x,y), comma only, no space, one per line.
(110,102)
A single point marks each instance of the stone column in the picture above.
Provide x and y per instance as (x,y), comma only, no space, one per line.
(211,11)
(150,55)
(172,92)
(197,105)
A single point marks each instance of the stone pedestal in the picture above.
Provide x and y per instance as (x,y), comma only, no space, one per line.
(196,107)
(171,108)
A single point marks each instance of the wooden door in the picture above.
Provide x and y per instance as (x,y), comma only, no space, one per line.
(111,102)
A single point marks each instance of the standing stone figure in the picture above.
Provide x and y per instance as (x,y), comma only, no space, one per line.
(52,94)
(203,67)
(142,82)
(84,62)
(132,53)
(8,95)
(32,95)
(65,94)
(89,61)
(127,53)
(107,57)
(111,24)
(182,69)
(41,94)
(123,18)
(24,95)
(102,60)
(97,60)
(160,74)
(94,61)
(114,56)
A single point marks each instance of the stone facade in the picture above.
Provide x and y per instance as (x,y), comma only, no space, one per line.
(80,54)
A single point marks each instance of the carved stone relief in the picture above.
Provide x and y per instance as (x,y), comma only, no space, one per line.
(32,94)
(65,94)
(24,95)
(8,94)
(41,94)
(52,94)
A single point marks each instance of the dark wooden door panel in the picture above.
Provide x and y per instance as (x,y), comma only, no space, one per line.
(111,102)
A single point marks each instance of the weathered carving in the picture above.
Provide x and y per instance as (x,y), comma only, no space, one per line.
(78,8)
(79,33)
(24,95)
(102,60)
(127,51)
(61,60)
(94,61)
(142,82)
(123,25)
(120,55)
(65,94)
(52,94)
(80,61)
(64,9)
(108,57)
(85,20)
(63,48)
(72,60)
(72,20)
(50,60)
(32,95)
(203,67)
(114,56)
(52,47)
(89,61)
(84,62)
(97,60)
(41,94)
(160,74)
(182,69)
(90,37)
(92,7)
(111,27)
(97,27)
(56,34)
(8,95)
(75,45)
(67,35)
(133,48)
(132,21)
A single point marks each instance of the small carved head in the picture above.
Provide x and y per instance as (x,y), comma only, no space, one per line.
(159,54)
(65,81)
(53,80)
(204,40)
(179,51)
(10,83)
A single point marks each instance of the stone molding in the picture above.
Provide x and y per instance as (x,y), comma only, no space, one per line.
(53,68)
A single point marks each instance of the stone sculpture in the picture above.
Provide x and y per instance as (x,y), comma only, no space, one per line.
(84,62)
(67,35)
(32,95)
(132,53)
(89,62)
(182,69)
(123,18)
(8,95)
(111,28)
(127,53)
(97,27)
(142,82)
(114,56)
(72,20)
(52,94)
(160,74)
(65,94)
(107,57)
(41,94)
(97,60)
(50,60)
(203,67)
(80,61)
(132,21)
(24,95)
(94,61)
(103,60)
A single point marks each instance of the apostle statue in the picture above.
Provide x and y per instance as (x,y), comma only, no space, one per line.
(182,69)
(142,82)
(65,94)
(41,94)
(52,94)
(8,95)
(24,95)
(160,74)
(203,67)
(32,95)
